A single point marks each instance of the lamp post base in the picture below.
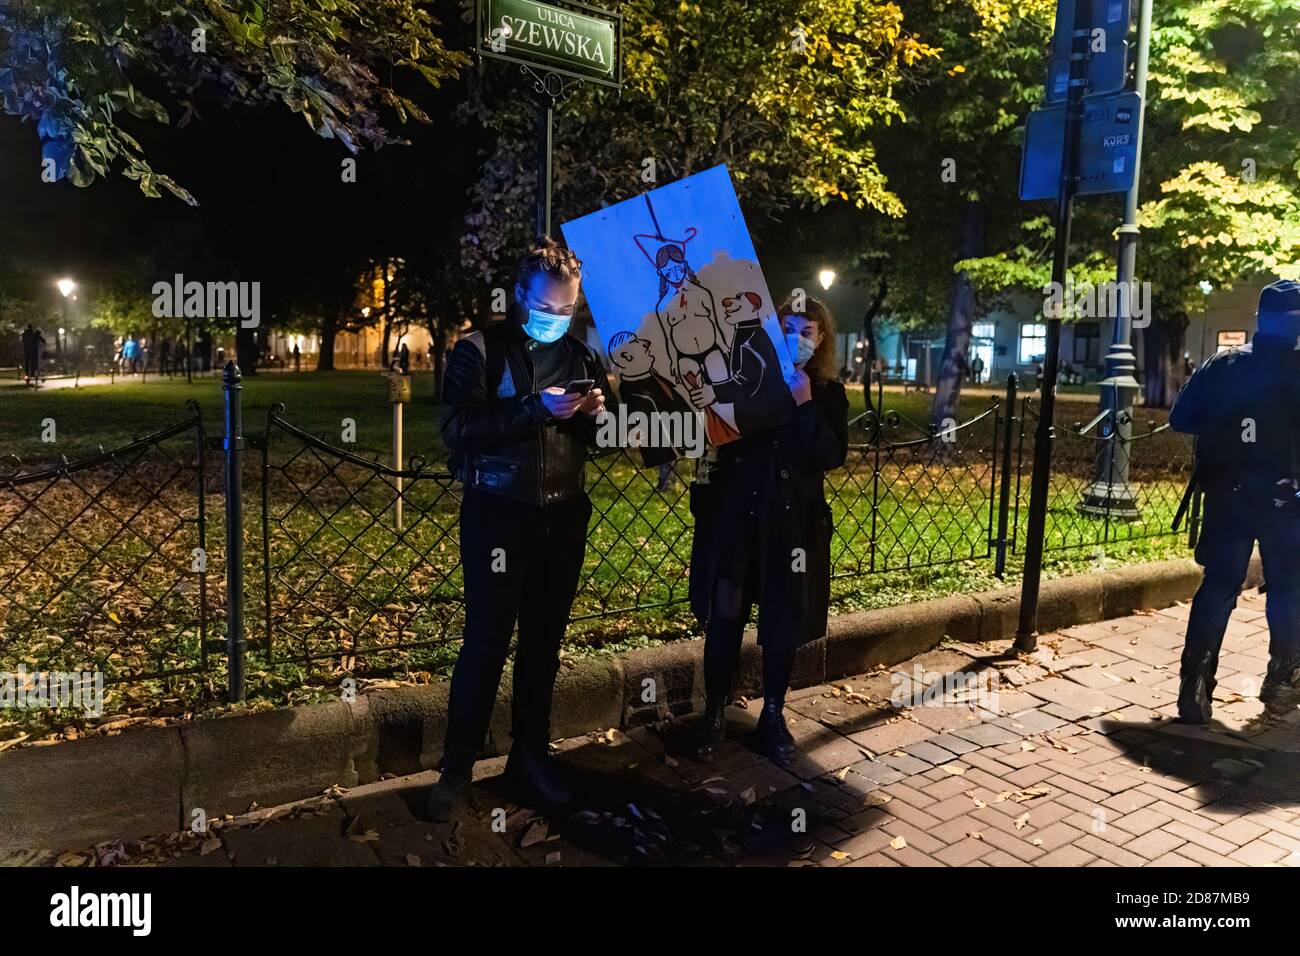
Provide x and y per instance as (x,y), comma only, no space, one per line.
(1106,499)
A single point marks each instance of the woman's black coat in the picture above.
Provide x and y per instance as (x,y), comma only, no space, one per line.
(762,522)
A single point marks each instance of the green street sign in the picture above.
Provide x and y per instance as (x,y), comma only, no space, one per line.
(568,38)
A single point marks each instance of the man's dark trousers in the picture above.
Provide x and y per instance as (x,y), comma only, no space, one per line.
(1234,521)
(538,565)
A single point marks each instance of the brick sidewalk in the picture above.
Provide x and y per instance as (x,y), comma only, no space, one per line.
(1074,762)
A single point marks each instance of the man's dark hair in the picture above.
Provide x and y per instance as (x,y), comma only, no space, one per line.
(551,258)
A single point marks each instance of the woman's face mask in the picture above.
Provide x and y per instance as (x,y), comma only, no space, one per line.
(546,327)
(801,347)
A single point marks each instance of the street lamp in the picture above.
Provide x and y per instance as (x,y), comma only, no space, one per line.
(827,278)
(66,287)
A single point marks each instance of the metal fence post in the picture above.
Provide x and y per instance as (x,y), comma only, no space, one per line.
(1004,495)
(234,446)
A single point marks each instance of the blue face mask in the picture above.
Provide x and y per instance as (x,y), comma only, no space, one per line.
(546,327)
(801,348)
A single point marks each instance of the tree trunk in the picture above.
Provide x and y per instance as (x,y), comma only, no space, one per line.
(246,350)
(437,337)
(1162,348)
(329,329)
(869,337)
(961,314)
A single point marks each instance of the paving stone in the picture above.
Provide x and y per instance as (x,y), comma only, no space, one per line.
(1058,690)
(987,735)
(905,764)
(876,771)
(920,840)
(1140,821)
(1154,844)
(876,859)
(1240,832)
(313,841)
(1036,721)
(1065,856)
(955,744)
(889,737)
(963,853)
(926,750)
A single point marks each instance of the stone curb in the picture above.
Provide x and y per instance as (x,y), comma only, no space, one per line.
(154,780)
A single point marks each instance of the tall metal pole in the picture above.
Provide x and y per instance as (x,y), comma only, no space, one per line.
(1110,493)
(545,146)
(397,459)
(234,448)
(1027,631)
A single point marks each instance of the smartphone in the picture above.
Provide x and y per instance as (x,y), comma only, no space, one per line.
(579,386)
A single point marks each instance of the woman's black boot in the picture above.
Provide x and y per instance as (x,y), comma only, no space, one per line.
(712,729)
(774,738)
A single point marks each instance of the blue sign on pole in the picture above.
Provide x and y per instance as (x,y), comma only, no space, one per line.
(1107,147)
(1105,43)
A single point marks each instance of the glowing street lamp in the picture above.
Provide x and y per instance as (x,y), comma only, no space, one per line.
(66,287)
(827,278)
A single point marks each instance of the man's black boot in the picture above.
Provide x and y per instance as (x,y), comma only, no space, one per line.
(774,738)
(1281,683)
(1196,690)
(712,729)
(533,773)
(449,797)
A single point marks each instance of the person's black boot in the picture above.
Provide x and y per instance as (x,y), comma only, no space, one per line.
(1196,690)
(1280,684)
(774,738)
(712,729)
(533,774)
(449,797)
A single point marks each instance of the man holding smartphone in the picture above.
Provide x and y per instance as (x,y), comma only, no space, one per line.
(519,403)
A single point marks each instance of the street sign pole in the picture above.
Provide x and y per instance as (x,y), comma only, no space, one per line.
(558,44)
(1027,631)
(1110,492)
(549,87)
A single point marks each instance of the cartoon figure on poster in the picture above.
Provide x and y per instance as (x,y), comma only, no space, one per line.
(683,310)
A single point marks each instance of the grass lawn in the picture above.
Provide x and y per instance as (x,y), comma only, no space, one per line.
(350,596)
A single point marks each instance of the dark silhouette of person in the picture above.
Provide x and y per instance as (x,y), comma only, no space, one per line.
(31,363)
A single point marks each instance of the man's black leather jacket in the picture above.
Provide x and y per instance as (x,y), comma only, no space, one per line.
(502,438)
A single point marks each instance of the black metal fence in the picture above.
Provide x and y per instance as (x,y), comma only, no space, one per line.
(350,559)
(104,563)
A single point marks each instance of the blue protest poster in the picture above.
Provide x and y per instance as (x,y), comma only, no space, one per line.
(684,314)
